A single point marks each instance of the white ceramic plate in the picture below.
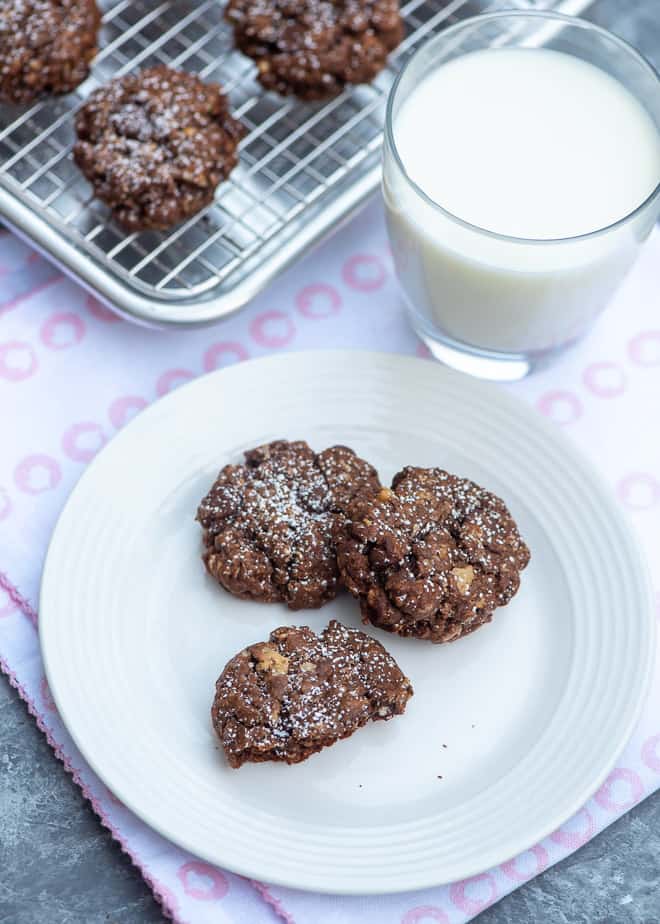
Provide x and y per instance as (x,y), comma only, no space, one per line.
(510,729)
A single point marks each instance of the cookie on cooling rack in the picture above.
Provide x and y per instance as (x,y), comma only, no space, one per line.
(288,698)
(155,145)
(432,557)
(268,524)
(313,48)
(45,46)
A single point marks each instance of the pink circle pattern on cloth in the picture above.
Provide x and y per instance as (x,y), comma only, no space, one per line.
(171,379)
(621,790)
(540,858)
(562,407)
(18,361)
(123,409)
(318,301)
(639,490)
(364,272)
(203,882)
(644,349)
(62,330)
(651,753)
(82,441)
(425,914)
(37,473)
(605,380)
(273,329)
(220,355)
(576,831)
(474,894)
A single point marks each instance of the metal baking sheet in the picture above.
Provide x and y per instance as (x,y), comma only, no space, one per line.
(303,168)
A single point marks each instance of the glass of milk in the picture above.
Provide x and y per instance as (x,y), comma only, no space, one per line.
(521,175)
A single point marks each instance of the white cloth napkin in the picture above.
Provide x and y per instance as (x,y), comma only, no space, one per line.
(71,375)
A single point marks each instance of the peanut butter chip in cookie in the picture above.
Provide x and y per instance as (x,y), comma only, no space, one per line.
(287,698)
(432,557)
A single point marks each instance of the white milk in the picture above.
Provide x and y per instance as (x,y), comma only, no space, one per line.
(529,143)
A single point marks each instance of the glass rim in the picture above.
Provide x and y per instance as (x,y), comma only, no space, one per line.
(549,16)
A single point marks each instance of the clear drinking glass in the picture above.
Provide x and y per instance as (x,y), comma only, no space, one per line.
(490,304)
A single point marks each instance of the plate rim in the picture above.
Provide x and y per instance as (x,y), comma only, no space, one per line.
(509,402)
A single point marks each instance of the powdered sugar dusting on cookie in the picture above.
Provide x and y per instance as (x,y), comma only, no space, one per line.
(313,48)
(155,145)
(288,698)
(269,524)
(432,557)
(45,46)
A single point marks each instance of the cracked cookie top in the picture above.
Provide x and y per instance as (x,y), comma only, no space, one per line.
(313,48)
(155,144)
(269,523)
(46,46)
(287,698)
(432,557)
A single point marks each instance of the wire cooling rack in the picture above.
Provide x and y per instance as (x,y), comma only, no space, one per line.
(302,167)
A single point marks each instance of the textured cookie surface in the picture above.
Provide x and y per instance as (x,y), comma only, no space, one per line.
(287,698)
(432,557)
(313,48)
(45,46)
(155,145)
(269,523)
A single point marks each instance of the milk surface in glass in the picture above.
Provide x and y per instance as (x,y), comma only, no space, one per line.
(530,144)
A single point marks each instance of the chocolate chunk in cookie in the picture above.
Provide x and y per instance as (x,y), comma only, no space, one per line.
(287,698)
(45,46)
(313,48)
(268,524)
(432,557)
(155,145)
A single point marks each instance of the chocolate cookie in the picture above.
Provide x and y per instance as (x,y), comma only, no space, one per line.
(155,145)
(287,698)
(313,48)
(268,524)
(45,46)
(432,557)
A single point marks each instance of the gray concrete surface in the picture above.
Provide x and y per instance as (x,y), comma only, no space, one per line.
(59,866)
